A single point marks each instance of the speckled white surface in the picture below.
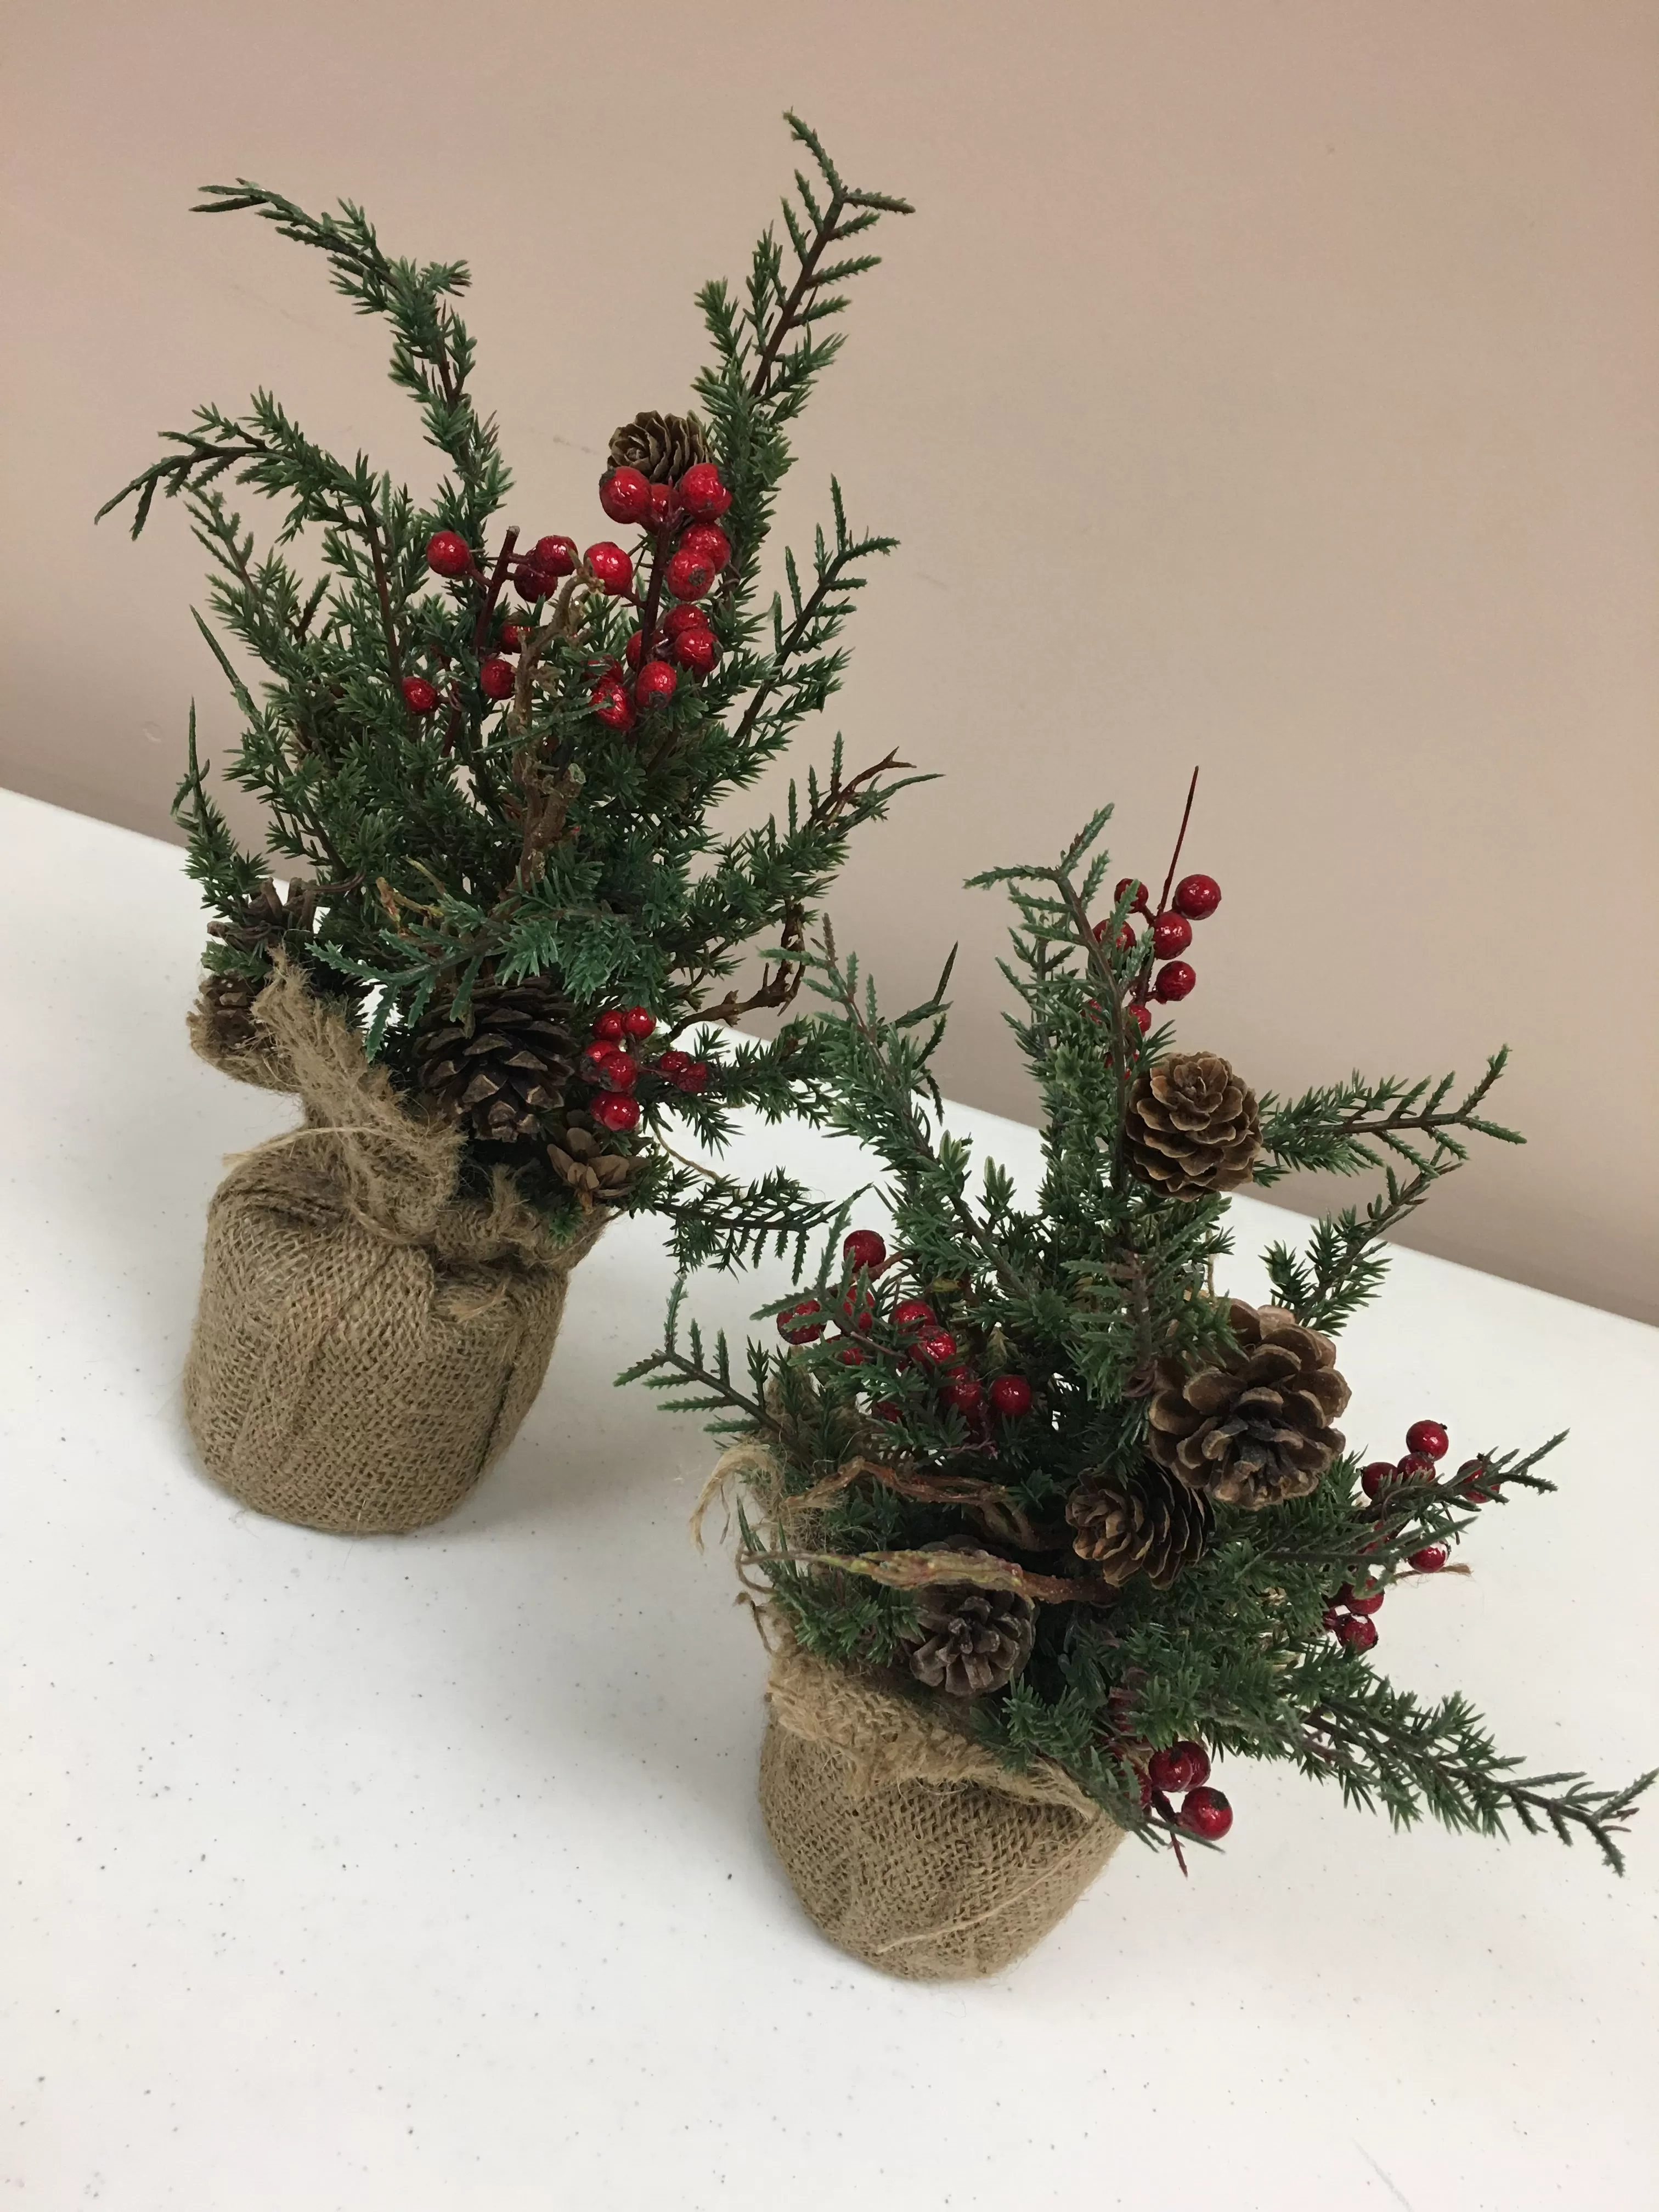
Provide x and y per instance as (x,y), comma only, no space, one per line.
(426,1872)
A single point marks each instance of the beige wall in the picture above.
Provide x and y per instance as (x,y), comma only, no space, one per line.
(1268,383)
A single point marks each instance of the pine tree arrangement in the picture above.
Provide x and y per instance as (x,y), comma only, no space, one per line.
(490,766)
(1020,1487)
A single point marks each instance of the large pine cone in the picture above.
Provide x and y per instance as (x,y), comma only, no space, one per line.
(662,447)
(1191,1126)
(506,1066)
(1147,1526)
(267,916)
(970,1640)
(1255,1429)
(579,1158)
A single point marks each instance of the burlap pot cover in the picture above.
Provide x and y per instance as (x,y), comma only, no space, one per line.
(367,1342)
(908,1845)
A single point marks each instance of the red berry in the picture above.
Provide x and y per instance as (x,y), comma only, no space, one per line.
(1173,981)
(693,1077)
(1357,1633)
(965,1392)
(678,619)
(1140,1017)
(864,1247)
(496,679)
(670,1063)
(1197,896)
(1179,1766)
(656,684)
(857,1313)
(532,583)
(512,637)
(618,1070)
(1206,1813)
(1126,938)
(914,1313)
(853,1355)
(556,556)
(616,1110)
(447,554)
(612,704)
(1428,1439)
(1416,1467)
(610,567)
(1171,933)
(638,1021)
(938,1347)
(662,506)
(696,649)
(1012,1396)
(596,1054)
(688,575)
(613,1024)
(702,494)
(795,1328)
(1475,1496)
(710,543)
(888,1409)
(1138,902)
(625,496)
(419,696)
(1429,1560)
(1366,1601)
(1377,1477)
(633,647)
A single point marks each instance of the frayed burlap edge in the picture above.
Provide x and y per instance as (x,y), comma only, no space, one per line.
(907,1843)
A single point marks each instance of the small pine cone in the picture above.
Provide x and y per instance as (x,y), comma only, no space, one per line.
(267,916)
(1148,1526)
(662,447)
(503,1069)
(1255,1428)
(1191,1126)
(221,1020)
(970,1641)
(598,1177)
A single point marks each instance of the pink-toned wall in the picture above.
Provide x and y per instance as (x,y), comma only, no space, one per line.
(1269,385)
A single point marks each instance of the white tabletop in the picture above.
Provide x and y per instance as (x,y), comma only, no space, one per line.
(426,1871)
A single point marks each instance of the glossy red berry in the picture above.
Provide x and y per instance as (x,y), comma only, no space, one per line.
(853,1355)
(696,649)
(710,543)
(532,583)
(857,1313)
(661,508)
(1366,1601)
(625,496)
(610,567)
(683,618)
(965,1392)
(1137,891)
(796,1326)
(914,1313)
(1140,1017)
(1178,1766)
(702,494)
(419,696)
(937,1346)
(1429,1560)
(1012,1396)
(888,1409)
(656,684)
(619,1070)
(447,554)
(669,1064)
(512,637)
(616,1110)
(1475,1496)
(693,1077)
(1357,1633)
(1171,933)
(1197,896)
(1428,1439)
(1377,1477)
(1417,1466)
(610,1025)
(1125,939)
(495,678)
(1173,981)
(638,1021)
(688,575)
(556,557)
(611,704)
(864,1247)
(1206,1812)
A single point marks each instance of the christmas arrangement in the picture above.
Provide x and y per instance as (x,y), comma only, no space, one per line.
(495,926)
(1041,1525)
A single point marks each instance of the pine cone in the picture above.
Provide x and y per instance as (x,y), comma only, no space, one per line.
(506,1066)
(662,447)
(598,1177)
(267,916)
(1191,1126)
(1255,1429)
(222,1017)
(1148,1526)
(970,1640)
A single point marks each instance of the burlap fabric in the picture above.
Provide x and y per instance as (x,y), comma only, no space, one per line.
(367,1342)
(907,1842)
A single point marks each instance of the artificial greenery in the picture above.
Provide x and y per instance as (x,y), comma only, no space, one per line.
(852,1460)
(499,840)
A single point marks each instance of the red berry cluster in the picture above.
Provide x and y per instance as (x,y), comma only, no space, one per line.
(1181,1770)
(688,549)
(929,1345)
(1348,1616)
(1167,934)
(612,1064)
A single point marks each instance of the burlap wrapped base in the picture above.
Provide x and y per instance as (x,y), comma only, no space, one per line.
(907,1843)
(367,1342)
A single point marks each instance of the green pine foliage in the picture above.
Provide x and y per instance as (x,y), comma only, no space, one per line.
(501,839)
(855,1460)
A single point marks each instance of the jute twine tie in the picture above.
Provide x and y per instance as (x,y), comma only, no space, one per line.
(368,1342)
